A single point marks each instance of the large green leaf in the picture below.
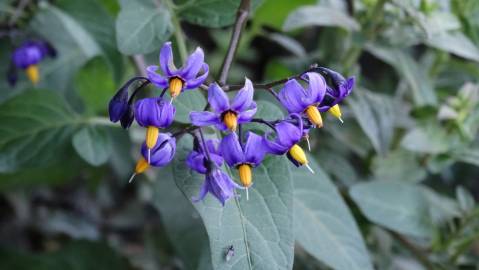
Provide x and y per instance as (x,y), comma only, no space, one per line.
(187,102)
(93,144)
(94,18)
(281,10)
(79,255)
(142,26)
(182,223)
(416,77)
(398,206)
(35,124)
(74,46)
(212,13)
(319,16)
(430,139)
(260,229)
(324,226)
(456,43)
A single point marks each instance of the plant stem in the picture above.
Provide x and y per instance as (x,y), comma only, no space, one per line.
(241,18)
(140,64)
(179,35)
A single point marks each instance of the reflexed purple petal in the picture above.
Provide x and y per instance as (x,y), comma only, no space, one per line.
(212,145)
(195,83)
(163,152)
(244,97)
(221,126)
(273,147)
(246,116)
(291,96)
(202,119)
(166,60)
(217,98)
(316,89)
(196,161)
(287,134)
(221,185)
(254,149)
(347,87)
(203,191)
(231,150)
(154,112)
(193,65)
(158,80)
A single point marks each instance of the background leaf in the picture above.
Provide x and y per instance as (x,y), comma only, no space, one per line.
(324,226)
(319,16)
(260,229)
(93,144)
(187,102)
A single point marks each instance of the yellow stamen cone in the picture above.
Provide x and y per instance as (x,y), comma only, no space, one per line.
(336,112)
(176,84)
(245,174)
(141,166)
(151,138)
(314,116)
(33,74)
(297,153)
(231,120)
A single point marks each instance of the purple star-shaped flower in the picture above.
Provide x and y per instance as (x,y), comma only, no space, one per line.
(340,89)
(197,160)
(219,184)
(227,115)
(163,152)
(287,135)
(184,78)
(154,111)
(296,99)
(251,153)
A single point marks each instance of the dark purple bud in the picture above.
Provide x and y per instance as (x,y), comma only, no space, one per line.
(127,118)
(118,105)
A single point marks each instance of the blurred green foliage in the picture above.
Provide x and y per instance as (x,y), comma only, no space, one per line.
(395,185)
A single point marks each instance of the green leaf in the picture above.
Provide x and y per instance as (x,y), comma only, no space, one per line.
(212,13)
(96,20)
(399,165)
(94,83)
(141,26)
(265,16)
(182,223)
(375,115)
(187,102)
(398,206)
(456,43)
(416,77)
(74,46)
(430,139)
(319,16)
(93,144)
(324,226)
(35,124)
(260,229)
(78,255)
(267,111)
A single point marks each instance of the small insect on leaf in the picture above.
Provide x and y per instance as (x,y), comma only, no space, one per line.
(230,252)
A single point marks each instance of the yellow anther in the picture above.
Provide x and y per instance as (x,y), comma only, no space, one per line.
(231,120)
(298,154)
(176,84)
(336,112)
(32,73)
(245,174)
(314,116)
(151,136)
(141,166)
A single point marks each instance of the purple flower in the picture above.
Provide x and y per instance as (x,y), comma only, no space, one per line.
(163,152)
(27,57)
(287,135)
(197,160)
(251,153)
(296,99)
(227,115)
(340,89)
(31,53)
(243,157)
(184,78)
(219,184)
(154,111)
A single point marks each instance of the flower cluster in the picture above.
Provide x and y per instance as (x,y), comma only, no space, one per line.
(27,57)
(305,97)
